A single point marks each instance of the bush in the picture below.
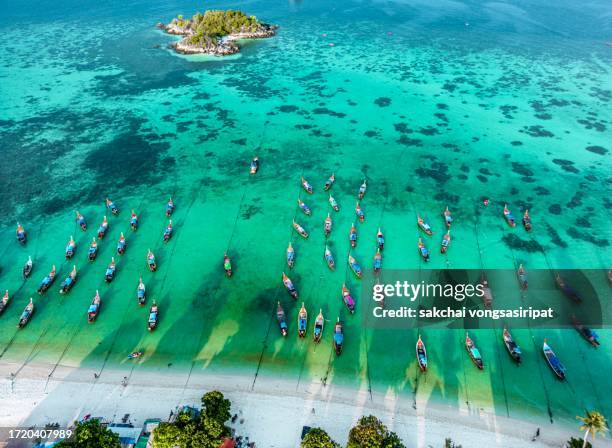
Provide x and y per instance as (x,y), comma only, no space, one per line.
(372,433)
(91,434)
(577,443)
(317,438)
(188,431)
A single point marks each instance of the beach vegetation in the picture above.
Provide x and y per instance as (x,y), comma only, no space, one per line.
(216,407)
(318,438)
(91,434)
(593,423)
(448,443)
(208,27)
(370,432)
(577,443)
(190,430)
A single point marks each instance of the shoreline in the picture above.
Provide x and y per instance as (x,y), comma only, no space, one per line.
(71,393)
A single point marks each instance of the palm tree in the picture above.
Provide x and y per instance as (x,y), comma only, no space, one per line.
(594,423)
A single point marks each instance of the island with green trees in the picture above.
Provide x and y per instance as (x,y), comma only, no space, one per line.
(215,32)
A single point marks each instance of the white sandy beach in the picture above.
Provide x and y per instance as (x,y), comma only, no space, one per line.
(273,412)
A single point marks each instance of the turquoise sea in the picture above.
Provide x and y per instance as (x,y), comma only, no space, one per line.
(434,104)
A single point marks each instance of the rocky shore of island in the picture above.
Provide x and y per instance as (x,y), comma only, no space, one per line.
(215,32)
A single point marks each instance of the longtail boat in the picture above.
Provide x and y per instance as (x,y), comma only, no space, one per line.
(446,239)
(448,219)
(302,321)
(290,256)
(329,258)
(21,234)
(377,261)
(354,266)
(112,207)
(26,315)
(168,232)
(473,352)
(69,282)
(300,230)
(509,217)
(302,205)
(134,221)
(151,261)
(359,212)
(4,302)
(334,203)
(329,182)
(141,292)
(169,207)
(522,277)
(92,253)
(80,219)
(423,250)
(318,327)
(487,295)
(121,244)
(511,346)
(553,361)
(567,289)
(338,337)
(70,248)
(347,299)
(103,228)
(94,308)
(153,317)
(362,190)
(289,285)
(135,355)
(527,221)
(353,235)
(47,281)
(306,186)
(589,335)
(327,226)
(421,355)
(424,226)
(110,271)
(27,268)
(227,265)
(281,319)
(254,165)
(380,240)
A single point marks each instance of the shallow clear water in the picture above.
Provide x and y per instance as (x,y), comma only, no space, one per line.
(434,105)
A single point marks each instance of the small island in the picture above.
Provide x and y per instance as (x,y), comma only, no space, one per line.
(215,32)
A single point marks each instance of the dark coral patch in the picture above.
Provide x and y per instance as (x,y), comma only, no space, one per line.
(288,108)
(537,131)
(578,235)
(597,150)
(514,242)
(555,209)
(326,111)
(554,236)
(522,169)
(382,101)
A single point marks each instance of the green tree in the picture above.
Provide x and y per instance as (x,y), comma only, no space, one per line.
(215,406)
(91,434)
(577,443)
(594,423)
(372,433)
(318,438)
(206,431)
(448,443)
